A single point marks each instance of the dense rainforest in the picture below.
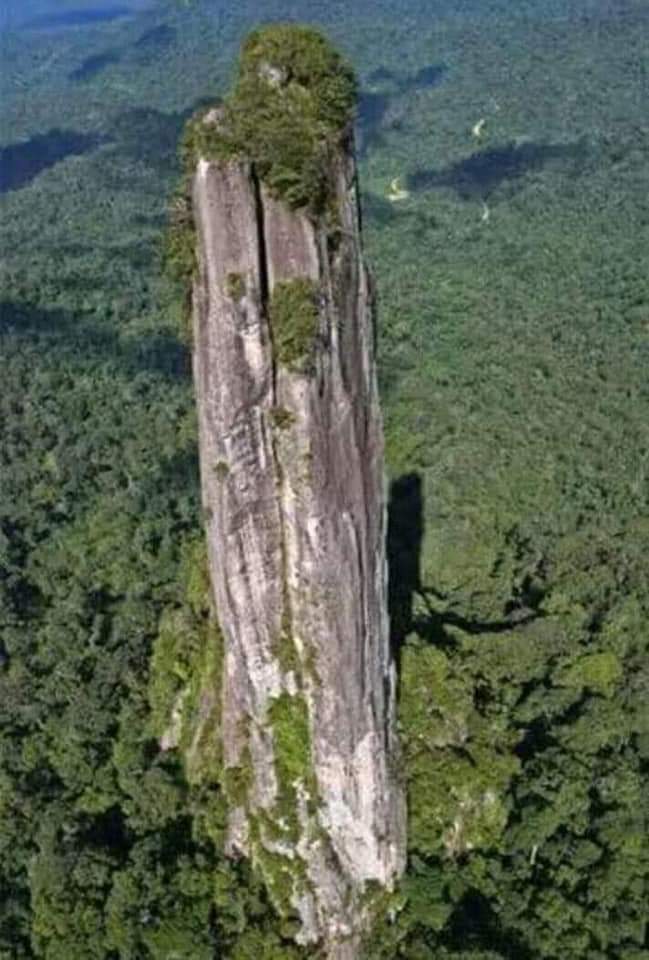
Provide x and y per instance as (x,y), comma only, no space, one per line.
(504,160)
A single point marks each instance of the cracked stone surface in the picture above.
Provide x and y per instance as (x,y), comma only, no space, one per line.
(295,516)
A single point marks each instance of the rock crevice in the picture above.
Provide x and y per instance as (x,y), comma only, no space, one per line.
(291,452)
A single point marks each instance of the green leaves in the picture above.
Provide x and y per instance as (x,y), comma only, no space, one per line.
(598,672)
(292,103)
(458,763)
(514,374)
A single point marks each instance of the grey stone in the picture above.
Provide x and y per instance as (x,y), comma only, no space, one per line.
(296,519)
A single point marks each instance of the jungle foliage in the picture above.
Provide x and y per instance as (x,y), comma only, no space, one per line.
(513,346)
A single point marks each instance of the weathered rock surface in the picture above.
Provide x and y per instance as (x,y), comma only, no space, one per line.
(293,492)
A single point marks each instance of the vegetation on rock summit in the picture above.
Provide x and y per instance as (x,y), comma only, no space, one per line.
(293,101)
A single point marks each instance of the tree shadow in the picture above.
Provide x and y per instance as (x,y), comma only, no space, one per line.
(141,134)
(77,18)
(475,925)
(406,528)
(477,176)
(428,77)
(371,110)
(20,163)
(373,104)
(382,75)
(80,340)
(91,66)
(377,209)
(144,50)
(404,542)
(150,136)
(157,37)
(153,42)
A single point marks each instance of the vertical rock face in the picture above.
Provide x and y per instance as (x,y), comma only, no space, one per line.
(291,453)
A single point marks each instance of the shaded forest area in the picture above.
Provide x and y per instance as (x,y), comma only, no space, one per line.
(514,348)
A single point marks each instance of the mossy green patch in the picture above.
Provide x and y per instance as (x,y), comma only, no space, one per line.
(201,734)
(288,718)
(237,781)
(282,418)
(202,138)
(179,251)
(185,672)
(195,576)
(181,641)
(235,286)
(173,652)
(283,876)
(286,652)
(294,322)
(221,469)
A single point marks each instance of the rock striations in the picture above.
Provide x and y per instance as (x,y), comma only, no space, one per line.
(291,452)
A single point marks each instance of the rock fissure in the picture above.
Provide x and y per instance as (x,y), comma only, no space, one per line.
(285,645)
(287,400)
(263,265)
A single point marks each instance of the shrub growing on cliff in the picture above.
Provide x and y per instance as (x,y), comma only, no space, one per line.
(293,101)
(179,252)
(294,322)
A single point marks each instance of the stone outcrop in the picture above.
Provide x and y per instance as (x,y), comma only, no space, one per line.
(291,451)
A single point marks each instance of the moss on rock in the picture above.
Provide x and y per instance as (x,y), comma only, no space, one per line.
(235,285)
(181,642)
(237,781)
(185,676)
(284,876)
(294,322)
(289,722)
(282,418)
(291,106)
